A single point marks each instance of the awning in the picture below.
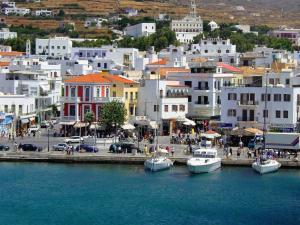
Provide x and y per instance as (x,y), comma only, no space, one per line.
(153,124)
(97,127)
(210,134)
(128,126)
(23,121)
(81,125)
(188,122)
(69,123)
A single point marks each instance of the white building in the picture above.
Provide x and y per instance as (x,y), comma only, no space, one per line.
(17,104)
(94,22)
(213,25)
(292,34)
(43,12)
(205,82)
(245,106)
(188,27)
(141,29)
(215,49)
(6,34)
(120,56)
(8,4)
(163,101)
(56,47)
(131,12)
(15,11)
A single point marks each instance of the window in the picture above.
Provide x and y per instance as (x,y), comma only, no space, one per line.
(189,98)
(206,51)
(277,114)
(219,51)
(188,83)
(131,95)
(136,95)
(40,47)
(263,97)
(73,91)
(285,114)
(72,110)
(13,108)
(287,81)
(166,108)
(265,113)
(232,96)
(64,47)
(114,94)
(58,47)
(20,110)
(277,97)
(99,64)
(271,81)
(87,93)
(227,51)
(114,85)
(174,108)
(105,65)
(6,108)
(156,108)
(287,97)
(231,112)
(52,47)
(107,92)
(182,108)
(131,110)
(126,95)
(98,92)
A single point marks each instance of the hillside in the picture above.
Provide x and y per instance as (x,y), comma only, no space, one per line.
(270,12)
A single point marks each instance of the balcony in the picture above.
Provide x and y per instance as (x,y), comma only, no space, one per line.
(202,104)
(247,120)
(248,103)
(106,99)
(68,118)
(206,89)
(132,101)
(70,99)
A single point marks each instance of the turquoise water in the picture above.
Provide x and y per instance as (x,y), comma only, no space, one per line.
(39,194)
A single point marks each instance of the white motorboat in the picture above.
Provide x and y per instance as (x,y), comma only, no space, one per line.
(158,163)
(266,166)
(204,161)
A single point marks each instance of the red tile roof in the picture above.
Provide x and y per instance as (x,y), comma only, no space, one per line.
(229,67)
(159,62)
(3,64)
(100,78)
(118,79)
(89,78)
(11,53)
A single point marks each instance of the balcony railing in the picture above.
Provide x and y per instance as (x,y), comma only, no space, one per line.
(247,119)
(248,103)
(201,103)
(91,100)
(201,88)
(68,118)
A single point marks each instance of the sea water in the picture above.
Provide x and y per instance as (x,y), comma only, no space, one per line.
(72,194)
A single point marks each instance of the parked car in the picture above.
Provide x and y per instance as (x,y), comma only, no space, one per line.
(4,147)
(60,147)
(33,128)
(123,147)
(45,124)
(31,147)
(86,148)
(74,139)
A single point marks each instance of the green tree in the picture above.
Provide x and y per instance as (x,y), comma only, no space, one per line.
(113,114)
(89,117)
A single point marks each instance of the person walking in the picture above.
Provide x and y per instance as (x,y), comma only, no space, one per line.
(172,151)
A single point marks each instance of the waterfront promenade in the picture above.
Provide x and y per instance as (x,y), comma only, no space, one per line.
(104,156)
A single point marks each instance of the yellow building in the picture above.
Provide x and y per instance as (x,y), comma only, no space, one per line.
(126,88)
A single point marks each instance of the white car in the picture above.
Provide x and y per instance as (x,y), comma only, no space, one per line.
(60,147)
(74,139)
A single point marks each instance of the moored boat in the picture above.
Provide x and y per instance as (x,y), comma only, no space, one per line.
(266,166)
(204,161)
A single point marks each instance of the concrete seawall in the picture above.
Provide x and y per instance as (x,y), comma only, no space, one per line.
(120,159)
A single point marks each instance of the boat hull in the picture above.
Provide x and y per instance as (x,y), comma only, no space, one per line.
(157,165)
(271,167)
(205,167)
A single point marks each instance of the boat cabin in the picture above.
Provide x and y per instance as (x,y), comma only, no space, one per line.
(205,153)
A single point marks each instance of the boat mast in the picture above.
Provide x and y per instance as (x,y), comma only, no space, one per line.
(265,112)
(157,107)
